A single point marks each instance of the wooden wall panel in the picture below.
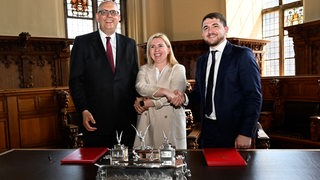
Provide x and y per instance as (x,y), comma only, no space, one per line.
(42,73)
(34,62)
(291,102)
(39,131)
(30,118)
(39,102)
(38,119)
(294,88)
(26,104)
(13,121)
(9,75)
(4,137)
(31,70)
(306,38)
(3,108)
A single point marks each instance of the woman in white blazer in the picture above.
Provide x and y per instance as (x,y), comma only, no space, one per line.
(161,83)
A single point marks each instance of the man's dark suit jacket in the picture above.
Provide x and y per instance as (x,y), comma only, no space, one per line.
(237,97)
(109,97)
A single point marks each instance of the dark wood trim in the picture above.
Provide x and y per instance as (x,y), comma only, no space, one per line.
(34,61)
(306,38)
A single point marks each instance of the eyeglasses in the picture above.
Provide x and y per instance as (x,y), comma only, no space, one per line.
(106,12)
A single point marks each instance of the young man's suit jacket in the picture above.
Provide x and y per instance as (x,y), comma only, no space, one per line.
(237,97)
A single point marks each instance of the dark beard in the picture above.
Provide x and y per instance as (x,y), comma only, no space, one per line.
(216,43)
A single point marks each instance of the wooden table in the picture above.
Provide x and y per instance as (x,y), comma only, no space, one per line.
(262,165)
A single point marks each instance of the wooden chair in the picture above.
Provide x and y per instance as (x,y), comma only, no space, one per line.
(70,122)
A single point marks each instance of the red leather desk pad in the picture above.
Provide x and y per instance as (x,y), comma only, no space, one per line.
(223,157)
(84,156)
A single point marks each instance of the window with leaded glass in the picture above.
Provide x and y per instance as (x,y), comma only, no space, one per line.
(80,17)
(279,53)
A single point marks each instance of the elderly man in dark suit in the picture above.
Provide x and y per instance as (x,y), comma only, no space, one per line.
(229,93)
(103,69)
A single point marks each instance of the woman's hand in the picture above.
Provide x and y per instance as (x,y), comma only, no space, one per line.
(140,105)
(177,99)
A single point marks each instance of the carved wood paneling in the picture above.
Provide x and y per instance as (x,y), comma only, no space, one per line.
(187,52)
(293,88)
(31,69)
(295,100)
(30,118)
(306,39)
(31,62)
(4,136)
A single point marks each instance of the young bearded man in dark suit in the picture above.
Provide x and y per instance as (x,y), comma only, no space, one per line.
(103,69)
(231,98)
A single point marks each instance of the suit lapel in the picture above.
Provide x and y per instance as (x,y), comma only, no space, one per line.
(204,70)
(120,53)
(100,51)
(224,62)
(98,46)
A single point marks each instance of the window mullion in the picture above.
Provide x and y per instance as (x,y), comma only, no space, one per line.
(94,11)
(281,42)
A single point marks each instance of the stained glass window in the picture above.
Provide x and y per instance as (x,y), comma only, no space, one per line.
(279,53)
(79,8)
(293,16)
(80,17)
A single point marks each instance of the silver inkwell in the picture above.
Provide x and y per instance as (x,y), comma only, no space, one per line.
(145,155)
(119,152)
(144,161)
(167,152)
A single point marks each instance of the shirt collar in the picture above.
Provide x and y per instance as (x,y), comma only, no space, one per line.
(220,47)
(103,35)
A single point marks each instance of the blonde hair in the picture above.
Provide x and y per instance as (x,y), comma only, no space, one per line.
(171,59)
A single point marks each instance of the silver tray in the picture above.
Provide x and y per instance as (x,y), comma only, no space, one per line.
(148,170)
